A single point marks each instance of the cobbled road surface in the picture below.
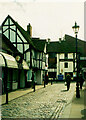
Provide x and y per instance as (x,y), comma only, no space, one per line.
(48,102)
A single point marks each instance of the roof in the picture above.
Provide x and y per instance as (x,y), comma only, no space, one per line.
(34,42)
(68,45)
(39,43)
(23,32)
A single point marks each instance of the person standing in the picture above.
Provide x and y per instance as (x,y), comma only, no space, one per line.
(81,80)
(46,79)
(68,80)
(33,81)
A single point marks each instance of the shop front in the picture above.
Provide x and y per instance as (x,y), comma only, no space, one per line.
(12,76)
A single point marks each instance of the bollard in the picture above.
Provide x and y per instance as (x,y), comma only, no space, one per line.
(77,91)
(7,95)
(51,82)
(34,86)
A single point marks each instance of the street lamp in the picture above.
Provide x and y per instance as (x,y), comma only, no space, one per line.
(76,29)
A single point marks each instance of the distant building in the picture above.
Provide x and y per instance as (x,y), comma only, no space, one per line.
(62,56)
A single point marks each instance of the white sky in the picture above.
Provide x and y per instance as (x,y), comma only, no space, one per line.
(48,19)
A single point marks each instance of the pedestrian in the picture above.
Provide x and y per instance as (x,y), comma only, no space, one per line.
(46,78)
(68,80)
(84,84)
(81,80)
(84,81)
(32,79)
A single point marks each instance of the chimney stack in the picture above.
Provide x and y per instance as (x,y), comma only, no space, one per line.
(29,29)
(60,40)
(48,40)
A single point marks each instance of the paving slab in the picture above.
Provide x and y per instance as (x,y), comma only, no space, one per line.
(75,108)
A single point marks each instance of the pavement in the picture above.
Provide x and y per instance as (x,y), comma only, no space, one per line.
(18,93)
(75,108)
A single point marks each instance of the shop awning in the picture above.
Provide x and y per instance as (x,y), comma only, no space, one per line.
(25,65)
(2,62)
(10,60)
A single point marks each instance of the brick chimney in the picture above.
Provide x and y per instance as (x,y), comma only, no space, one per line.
(29,29)
(60,40)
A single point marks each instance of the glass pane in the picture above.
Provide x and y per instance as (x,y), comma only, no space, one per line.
(5,27)
(11,22)
(13,27)
(18,39)
(6,34)
(6,23)
(40,64)
(20,47)
(28,56)
(23,39)
(12,36)
(40,55)
(21,36)
(26,46)
(14,45)
(33,54)
(34,63)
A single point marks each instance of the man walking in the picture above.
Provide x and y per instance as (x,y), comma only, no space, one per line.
(68,80)
(81,80)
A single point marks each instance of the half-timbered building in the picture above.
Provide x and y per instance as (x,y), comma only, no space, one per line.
(25,50)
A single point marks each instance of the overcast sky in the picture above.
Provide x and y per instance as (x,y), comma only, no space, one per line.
(48,19)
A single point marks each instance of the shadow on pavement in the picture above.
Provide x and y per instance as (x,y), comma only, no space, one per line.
(64,90)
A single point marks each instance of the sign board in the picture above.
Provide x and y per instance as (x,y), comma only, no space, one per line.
(61,70)
(60,77)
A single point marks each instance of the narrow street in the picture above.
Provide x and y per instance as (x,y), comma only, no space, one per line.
(48,102)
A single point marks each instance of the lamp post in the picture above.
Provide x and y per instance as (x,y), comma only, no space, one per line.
(76,29)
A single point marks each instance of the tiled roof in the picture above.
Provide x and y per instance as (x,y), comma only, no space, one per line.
(39,43)
(67,45)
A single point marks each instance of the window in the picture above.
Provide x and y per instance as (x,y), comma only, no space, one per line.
(52,62)
(66,65)
(44,57)
(20,47)
(28,56)
(12,36)
(52,74)
(66,55)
